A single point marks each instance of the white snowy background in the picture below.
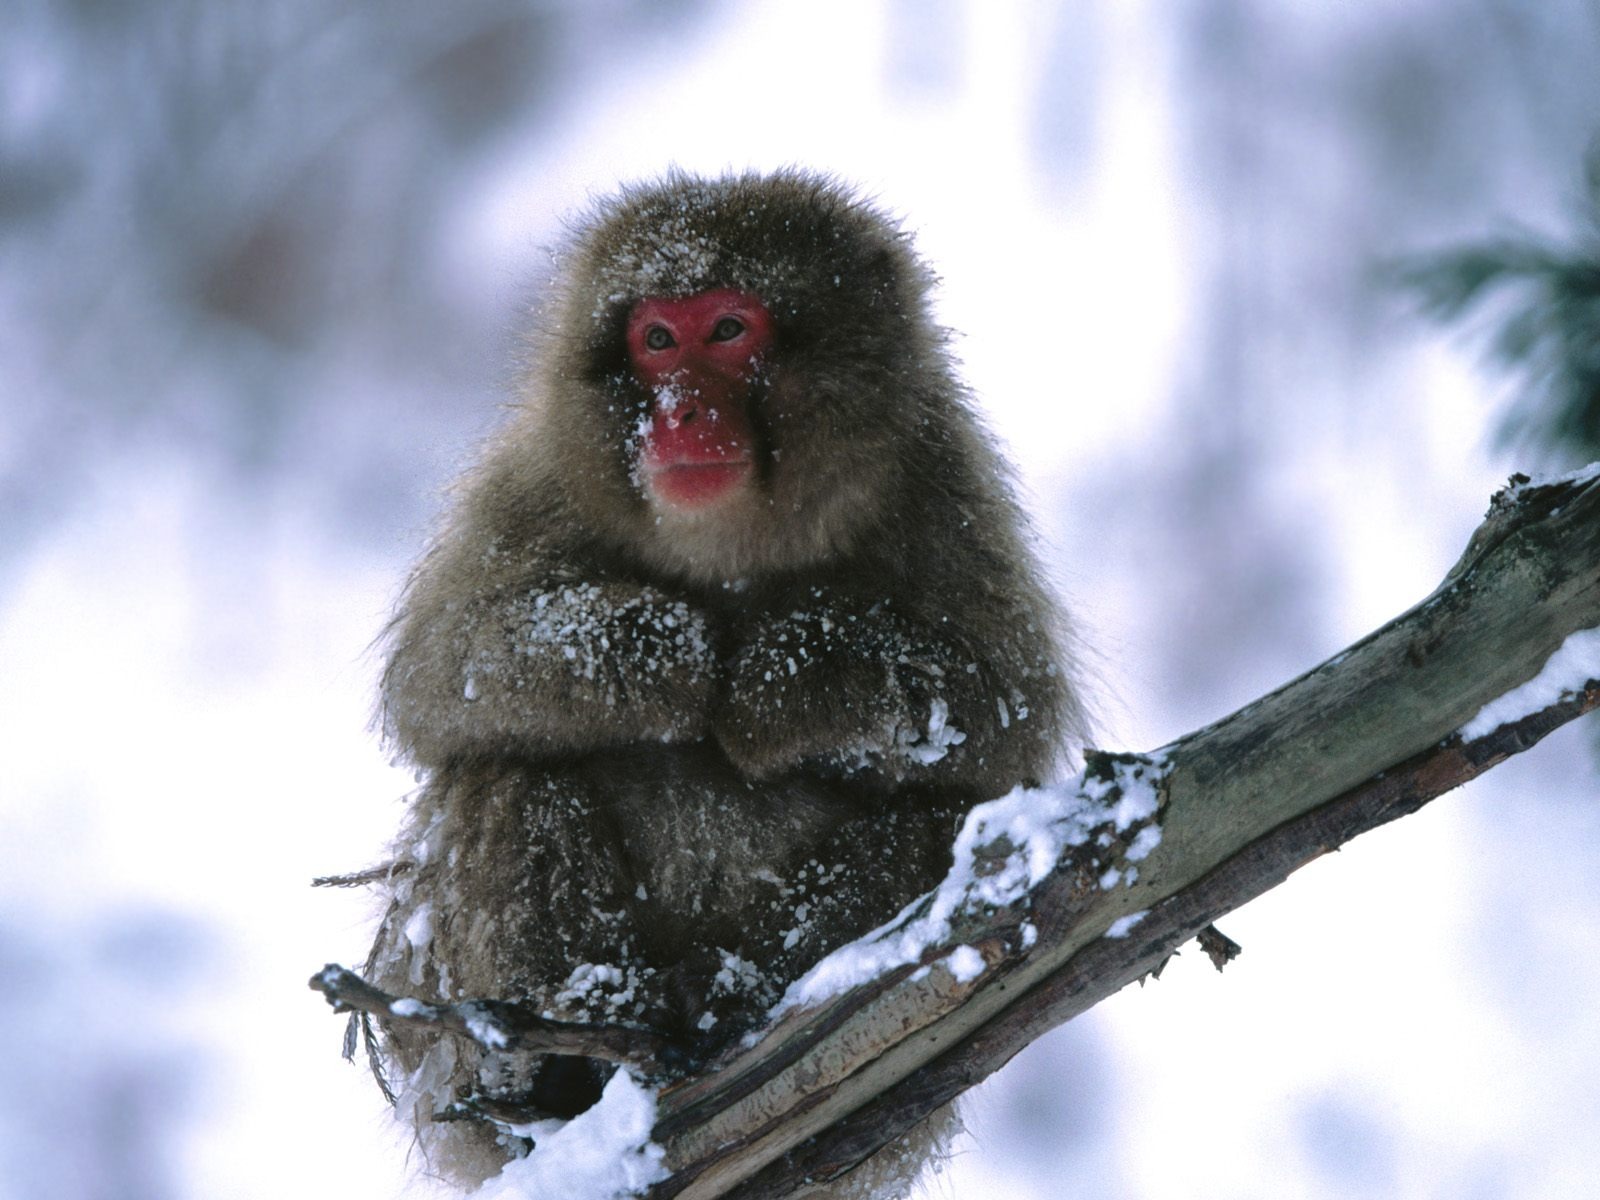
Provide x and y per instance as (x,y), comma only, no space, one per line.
(261,268)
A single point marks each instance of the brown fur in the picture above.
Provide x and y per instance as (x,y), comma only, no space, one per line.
(699,751)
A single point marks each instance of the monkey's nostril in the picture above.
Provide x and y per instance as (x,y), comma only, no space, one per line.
(686,416)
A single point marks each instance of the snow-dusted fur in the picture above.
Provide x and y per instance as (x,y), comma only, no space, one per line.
(669,761)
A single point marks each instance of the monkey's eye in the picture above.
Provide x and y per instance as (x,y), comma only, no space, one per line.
(727,329)
(657,338)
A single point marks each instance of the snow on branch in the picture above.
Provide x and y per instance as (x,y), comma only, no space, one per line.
(1061,896)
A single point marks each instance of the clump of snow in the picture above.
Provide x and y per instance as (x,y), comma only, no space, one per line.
(1034,827)
(485,1030)
(1574,665)
(669,398)
(603,1153)
(419,932)
(585,977)
(737,975)
(1146,840)
(1122,925)
(602,990)
(965,963)
(941,735)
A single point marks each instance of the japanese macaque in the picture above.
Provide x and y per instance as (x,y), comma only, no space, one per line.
(733,622)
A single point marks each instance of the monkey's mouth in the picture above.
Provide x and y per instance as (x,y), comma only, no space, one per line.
(696,485)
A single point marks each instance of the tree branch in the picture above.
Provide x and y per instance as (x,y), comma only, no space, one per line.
(1104,966)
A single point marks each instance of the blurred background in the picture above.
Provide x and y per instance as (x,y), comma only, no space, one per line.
(262,269)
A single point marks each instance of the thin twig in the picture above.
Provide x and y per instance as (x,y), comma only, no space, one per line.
(501,1026)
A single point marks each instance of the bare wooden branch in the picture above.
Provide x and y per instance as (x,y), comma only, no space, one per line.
(499,1026)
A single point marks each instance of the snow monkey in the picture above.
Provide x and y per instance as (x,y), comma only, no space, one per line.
(731,624)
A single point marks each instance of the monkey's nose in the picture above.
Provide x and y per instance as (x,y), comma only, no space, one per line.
(681,414)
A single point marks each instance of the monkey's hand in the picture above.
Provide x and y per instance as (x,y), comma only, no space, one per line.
(564,668)
(852,692)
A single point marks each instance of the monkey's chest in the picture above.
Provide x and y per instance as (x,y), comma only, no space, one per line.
(713,857)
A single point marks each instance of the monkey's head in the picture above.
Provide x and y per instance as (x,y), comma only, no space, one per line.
(737,374)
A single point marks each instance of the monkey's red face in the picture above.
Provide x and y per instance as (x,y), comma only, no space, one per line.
(698,356)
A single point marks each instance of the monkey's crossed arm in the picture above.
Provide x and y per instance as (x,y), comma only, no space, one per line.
(856,686)
(558,666)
